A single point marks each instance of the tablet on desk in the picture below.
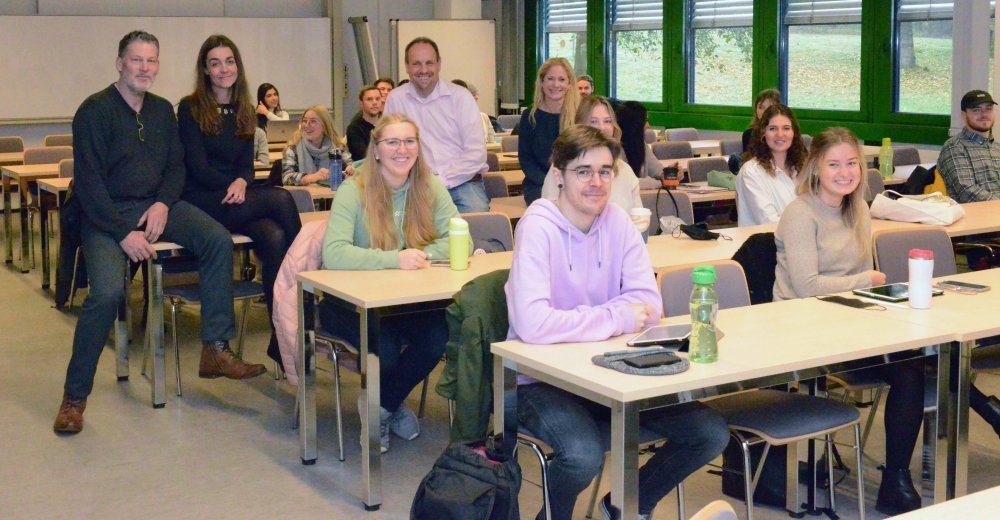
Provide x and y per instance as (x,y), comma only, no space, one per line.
(894,292)
(666,335)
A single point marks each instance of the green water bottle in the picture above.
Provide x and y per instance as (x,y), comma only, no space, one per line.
(704,347)
(458,244)
(885,158)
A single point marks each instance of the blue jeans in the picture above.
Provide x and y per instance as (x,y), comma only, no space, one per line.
(579,432)
(400,370)
(470,197)
(106,264)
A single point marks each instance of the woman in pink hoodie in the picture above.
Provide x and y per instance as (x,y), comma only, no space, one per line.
(582,273)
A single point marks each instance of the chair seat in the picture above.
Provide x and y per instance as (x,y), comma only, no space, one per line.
(986,357)
(782,417)
(190,293)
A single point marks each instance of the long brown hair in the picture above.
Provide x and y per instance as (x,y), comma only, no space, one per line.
(853,208)
(205,109)
(418,216)
(570,102)
(759,149)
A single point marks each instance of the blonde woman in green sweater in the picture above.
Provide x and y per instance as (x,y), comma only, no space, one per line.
(392,215)
(824,246)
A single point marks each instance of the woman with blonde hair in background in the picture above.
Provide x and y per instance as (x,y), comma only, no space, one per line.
(554,110)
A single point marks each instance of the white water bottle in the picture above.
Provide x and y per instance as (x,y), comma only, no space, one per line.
(921,272)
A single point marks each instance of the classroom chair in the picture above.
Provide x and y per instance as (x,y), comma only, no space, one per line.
(303,200)
(496,185)
(772,417)
(663,203)
(649,136)
(508,143)
(698,168)
(807,140)
(59,140)
(672,150)
(876,184)
(11,144)
(47,154)
(905,155)
(491,227)
(492,162)
(509,121)
(731,146)
(682,134)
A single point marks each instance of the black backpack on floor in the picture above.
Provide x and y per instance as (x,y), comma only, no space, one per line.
(465,485)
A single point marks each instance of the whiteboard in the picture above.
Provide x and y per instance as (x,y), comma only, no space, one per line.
(52,63)
(468,52)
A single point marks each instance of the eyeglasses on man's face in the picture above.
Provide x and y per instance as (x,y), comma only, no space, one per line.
(586,174)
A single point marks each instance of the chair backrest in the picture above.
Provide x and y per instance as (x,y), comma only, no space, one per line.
(492,161)
(66,169)
(11,144)
(892,251)
(669,150)
(508,143)
(274,176)
(759,257)
(303,200)
(730,287)
(496,185)
(661,205)
(731,146)
(682,134)
(698,168)
(718,510)
(47,154)
(876,184)
(649,136)
(490,227)
(59,140)
(509,121)
(904,155)
(807,140)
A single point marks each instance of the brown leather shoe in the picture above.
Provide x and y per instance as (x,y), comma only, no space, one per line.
(70,416)
(217,360)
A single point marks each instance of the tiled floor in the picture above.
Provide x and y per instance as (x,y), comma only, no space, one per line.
(226,450)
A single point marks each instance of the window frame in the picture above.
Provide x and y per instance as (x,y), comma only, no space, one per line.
(612,52)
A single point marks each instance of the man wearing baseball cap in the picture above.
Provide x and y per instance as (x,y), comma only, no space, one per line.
(970,161)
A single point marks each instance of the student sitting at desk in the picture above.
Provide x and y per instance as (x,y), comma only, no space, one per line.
(632,118)
(312,151)
(581,273)
(766,183)
(269,105)
(261,153)
(393,215)
(553,110)
(596,111)
(216,125)
(359,130)
(824,246)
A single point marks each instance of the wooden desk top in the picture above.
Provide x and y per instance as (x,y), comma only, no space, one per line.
(316,191)
(55,185)
(969,507)
(813,335)
(980,217)
(513,207)
(493,147)
(667,251)
(31,171)
(508,161)
(10,158)
(709,196)
(275,156)
(389,287)
(512,177)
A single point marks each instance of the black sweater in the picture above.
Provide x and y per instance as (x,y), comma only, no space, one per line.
(359,133)
(213,161)
(534,145)
(111,163)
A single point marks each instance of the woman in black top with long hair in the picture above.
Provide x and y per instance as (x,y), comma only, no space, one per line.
(631,117)
(216,124)
(269,105)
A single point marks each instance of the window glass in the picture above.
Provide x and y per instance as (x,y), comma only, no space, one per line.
(565,32)
(923,56)
(720,52)
(637,50)
(822,56)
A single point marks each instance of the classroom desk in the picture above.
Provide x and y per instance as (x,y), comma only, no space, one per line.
(373,295)
(275,156)
(23,175)
(508,161)
(514,207)
(316,191)
(706,147)
(818,344)
(980,217)
(11,158)
(700,192)
(493,147)
(513,178)
(276,147)
(58,187)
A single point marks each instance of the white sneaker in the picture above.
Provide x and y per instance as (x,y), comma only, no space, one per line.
(404,423)
(383,428)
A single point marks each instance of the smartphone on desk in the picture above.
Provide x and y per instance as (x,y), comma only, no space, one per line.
(962,287)
(443,262)
(656,359)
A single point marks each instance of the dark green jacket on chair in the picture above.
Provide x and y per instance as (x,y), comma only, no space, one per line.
(477,318)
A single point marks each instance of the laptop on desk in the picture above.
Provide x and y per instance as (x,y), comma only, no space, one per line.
(280,131)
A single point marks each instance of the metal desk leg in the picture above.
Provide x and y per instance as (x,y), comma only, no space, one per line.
(7,231)
(121,332)
(505,404)
(625,458)
(22,195)
(371,464)
(945,416)
(960,452)
(306,367)
(154,323)
(43,236)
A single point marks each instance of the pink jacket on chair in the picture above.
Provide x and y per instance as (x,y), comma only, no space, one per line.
(305,254)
